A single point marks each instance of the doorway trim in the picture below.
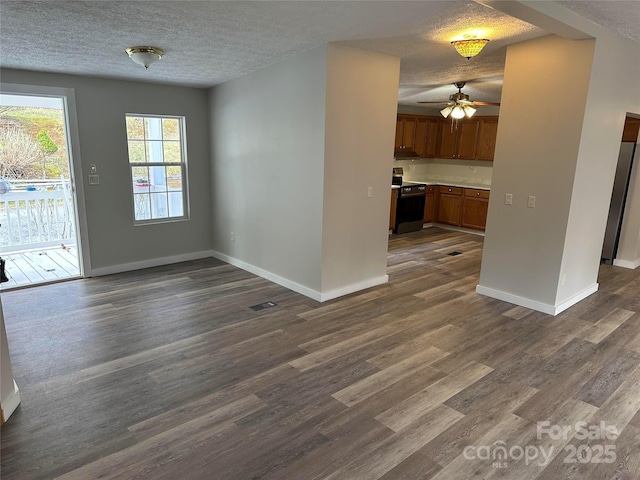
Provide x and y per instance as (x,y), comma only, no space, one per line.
(73,143)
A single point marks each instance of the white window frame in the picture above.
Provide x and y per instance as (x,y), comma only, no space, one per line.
(182,165)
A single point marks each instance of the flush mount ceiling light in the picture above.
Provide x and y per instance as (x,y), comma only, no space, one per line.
(144,56)
(470,47)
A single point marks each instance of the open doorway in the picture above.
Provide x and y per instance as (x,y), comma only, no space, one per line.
(39,235)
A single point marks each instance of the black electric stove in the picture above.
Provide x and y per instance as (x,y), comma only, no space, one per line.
(410,207)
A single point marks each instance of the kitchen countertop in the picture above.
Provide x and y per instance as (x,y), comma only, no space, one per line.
(448,184)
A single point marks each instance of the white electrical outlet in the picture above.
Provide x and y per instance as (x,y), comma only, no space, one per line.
(508,198)
(233,237)
(370,192)
(531,201)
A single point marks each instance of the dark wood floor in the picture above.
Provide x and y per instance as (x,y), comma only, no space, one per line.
(168,373)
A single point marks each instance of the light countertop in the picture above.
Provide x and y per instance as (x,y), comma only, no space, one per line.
(449,184)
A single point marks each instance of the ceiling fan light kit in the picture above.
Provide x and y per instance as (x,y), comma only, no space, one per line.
(144,56)
(459,104)
(470,47)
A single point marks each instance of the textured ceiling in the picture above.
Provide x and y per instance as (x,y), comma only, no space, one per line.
(210,42)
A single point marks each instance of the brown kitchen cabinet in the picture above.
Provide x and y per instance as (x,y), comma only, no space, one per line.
(405,132)
(392,211)
(475,204)
(426,136)
(430,205)
(458,139)
(631,127)
(487,133)
(449,207)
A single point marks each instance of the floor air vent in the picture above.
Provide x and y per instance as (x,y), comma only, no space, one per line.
(262,306)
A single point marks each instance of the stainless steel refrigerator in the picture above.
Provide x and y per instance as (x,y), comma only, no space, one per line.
(618,199)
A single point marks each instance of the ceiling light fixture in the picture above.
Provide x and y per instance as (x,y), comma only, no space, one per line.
(144,56)
(470,47)
(458,111)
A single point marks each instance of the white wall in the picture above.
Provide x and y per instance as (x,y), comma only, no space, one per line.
(616,62)
(114,242)
(267,146)
(362,92)
(536,153)
(295,147)
(9,394)
(562,116)
(628,254)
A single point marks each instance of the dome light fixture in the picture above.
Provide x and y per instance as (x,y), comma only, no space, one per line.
(144,56)
(469,47)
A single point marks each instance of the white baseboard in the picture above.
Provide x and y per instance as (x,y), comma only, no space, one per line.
(296,287)
(354,287)
(10,403)
(154,262)
(627,264)
(534,304)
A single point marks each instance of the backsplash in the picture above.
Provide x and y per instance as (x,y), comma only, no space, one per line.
(446,171)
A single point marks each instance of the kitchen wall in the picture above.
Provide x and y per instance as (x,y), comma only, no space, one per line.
(114,243)
(467,172)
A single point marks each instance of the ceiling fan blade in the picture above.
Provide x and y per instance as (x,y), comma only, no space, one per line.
(442,102)
(495,104)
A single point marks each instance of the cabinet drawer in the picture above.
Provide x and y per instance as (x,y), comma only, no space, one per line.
(451,190)
(473,192)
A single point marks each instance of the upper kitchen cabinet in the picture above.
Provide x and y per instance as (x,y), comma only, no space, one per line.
(488,130)
(405,132)
(631,127)
(426,135)
(458,139)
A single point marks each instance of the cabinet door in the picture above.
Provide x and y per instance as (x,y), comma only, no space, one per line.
(399,129)
(449,208)
(487,138)
(474,212)
(447,134)
(405,132)
(409,133)
(429,205)
(630,132)
(392,211)
(467,138)
(425,142)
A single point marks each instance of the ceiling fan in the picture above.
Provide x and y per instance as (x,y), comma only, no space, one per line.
(459,104)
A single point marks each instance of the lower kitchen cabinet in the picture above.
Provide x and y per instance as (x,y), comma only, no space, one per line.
(430,205)
(449,205)
(475,204)
(392,212)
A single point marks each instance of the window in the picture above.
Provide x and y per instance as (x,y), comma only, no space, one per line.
(157,157)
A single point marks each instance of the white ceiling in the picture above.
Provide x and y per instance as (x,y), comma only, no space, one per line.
(210,42)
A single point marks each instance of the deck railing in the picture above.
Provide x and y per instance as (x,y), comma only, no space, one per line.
(36,214)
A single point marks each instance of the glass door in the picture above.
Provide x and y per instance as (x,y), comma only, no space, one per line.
(39,241)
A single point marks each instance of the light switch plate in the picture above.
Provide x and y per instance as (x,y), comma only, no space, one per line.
(508,198)
(93,169)
(531,201)
(94,180)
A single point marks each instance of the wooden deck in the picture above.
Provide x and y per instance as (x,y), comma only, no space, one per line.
(33,267)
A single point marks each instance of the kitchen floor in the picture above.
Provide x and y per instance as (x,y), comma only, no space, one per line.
(169,373)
